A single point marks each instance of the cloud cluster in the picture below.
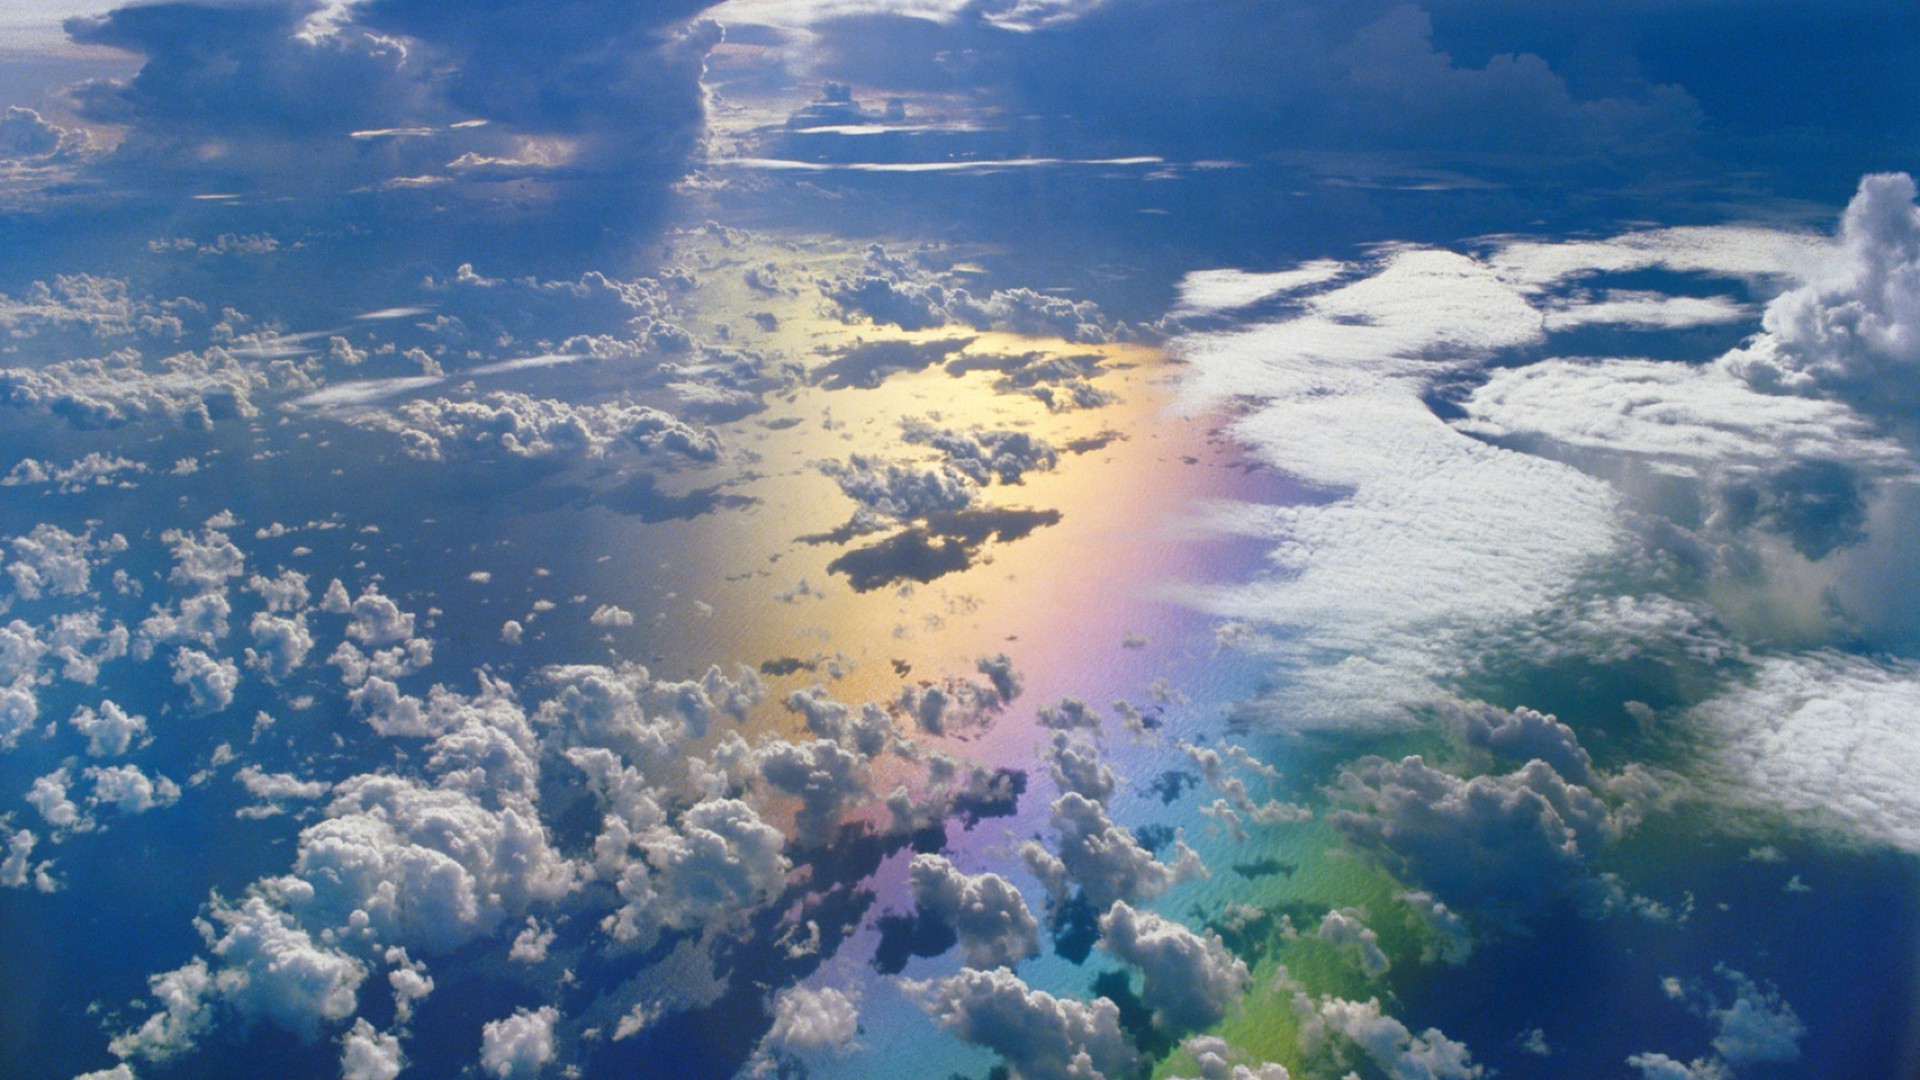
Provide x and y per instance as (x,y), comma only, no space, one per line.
(520,425)
(1041,1037)
(1190,980)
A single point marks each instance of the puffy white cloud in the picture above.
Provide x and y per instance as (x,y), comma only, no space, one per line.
(184,1014)
(272,968)
(1398,1052)
(1757,1027)
(280,643)
(828,779)
(985,455)
(1189,980)
(1103,858)
(130,791)
(204,561)
(194,389)
(94,470)
(989,916)
(610,615)
(1680,418)
(530,945)
(1040,1036)
(518,1046)
(284,593)
(1853,331)
(210,683)
(1661,1067)
(273,789)
(1076,766)
(49,797)
(377,620)
(1520,734)
(520,425)
(822,1019)
(19,710)
(200,620)
(369,1054)
(903,492)
(1345,930)
(51,560)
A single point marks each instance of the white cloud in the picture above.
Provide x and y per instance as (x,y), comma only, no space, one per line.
(823,1019)
(1827,737)
(368,1054)
(1042,1037)
(1681,417)
(991,919)
(130,791)
(523,426)
(1103,858)
(1853,330)
(1344,930)
(210,683)
(518,1046)
(1429,537)
(1395,1050)
(1189,980)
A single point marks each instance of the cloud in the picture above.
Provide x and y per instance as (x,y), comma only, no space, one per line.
(1681,418)
(130,791)
(1824,736)
(1190,981)
(1336,1023)
(985,455)
(286,98)
(1040,1036)
(520,425)
(1103,858)
(1248,76)
(1344,930)
(1424,537)
(807,1020)
(1853,332)
(890,289)
(988,915)
(368,1054)
(1501,843)
(518,1046)
(210,682)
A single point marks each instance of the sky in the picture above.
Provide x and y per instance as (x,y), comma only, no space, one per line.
(1027,539)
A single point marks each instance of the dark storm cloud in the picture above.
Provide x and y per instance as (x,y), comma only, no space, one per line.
(1253,76)
(288,97)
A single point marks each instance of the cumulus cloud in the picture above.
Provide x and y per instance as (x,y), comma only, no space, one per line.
(518,1046)
(1103,858)
(520,425)
(210,682)
(369,1054)
(1340,1025)
(129,790)
(1344,930)
(1190,980)
(1853,332)
(987,914)
(893,290)
(1041,1037)
(822,1019)
(1500,843)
